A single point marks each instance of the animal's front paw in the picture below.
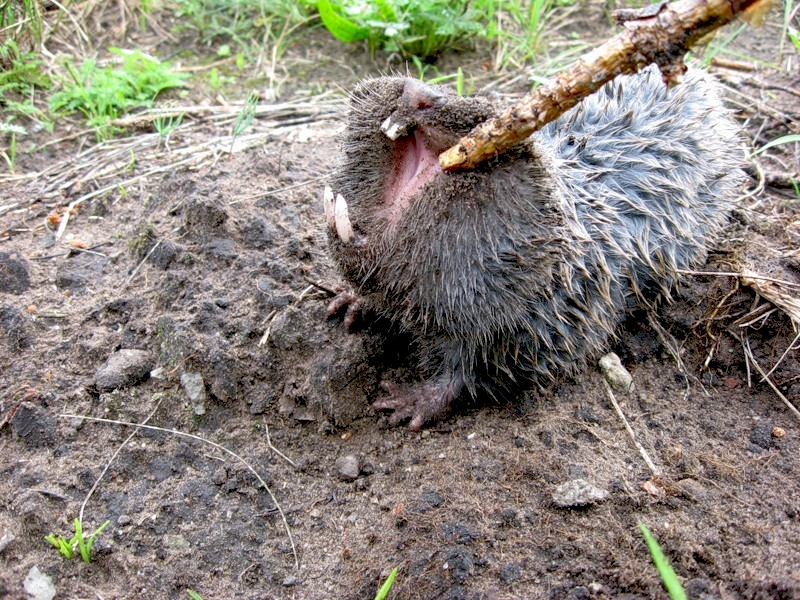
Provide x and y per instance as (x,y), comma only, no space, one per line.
(420,403)
(348,301)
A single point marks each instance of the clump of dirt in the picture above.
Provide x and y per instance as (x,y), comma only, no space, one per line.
(194,300)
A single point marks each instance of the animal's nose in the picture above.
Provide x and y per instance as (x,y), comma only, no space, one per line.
(419,96)
(416,97)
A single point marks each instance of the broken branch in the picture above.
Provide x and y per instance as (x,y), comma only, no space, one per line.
(661,34)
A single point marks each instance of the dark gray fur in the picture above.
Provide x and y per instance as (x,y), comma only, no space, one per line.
(524,267)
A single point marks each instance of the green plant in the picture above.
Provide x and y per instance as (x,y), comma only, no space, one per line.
(531,20)
(668,576)
(102,94)
(67,546)
(719,44)
(245,117)
(794,37)
(20,76)
(421,28)
(240,21)
(792,138)
(790,22)
(458,76)
(9,154)
(166,124)
(194,595)
(387,585)
(21,17)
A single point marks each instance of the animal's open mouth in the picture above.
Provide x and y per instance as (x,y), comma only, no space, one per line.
(415,167)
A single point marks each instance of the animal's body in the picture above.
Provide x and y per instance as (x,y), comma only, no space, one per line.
(523,267)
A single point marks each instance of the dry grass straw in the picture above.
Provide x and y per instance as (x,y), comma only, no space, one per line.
(108,166)
(781,296)
(198,438)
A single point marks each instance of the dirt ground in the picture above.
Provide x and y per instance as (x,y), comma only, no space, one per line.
(182,296)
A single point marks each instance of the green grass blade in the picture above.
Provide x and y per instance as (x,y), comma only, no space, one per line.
(786,139)
(86,547)
(387,585)
(668,576)
(60,544)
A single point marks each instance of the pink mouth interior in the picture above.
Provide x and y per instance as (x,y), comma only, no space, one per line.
(416,167)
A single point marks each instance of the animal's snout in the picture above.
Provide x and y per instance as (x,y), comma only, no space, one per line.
(416,97)
(419,96)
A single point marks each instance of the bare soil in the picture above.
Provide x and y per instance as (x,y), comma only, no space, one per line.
(208,267)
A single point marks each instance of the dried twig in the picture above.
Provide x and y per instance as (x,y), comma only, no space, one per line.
(629,429)
(273,448)
(214,445)
(661,34)
(752,360)
(139,266)
(113,458)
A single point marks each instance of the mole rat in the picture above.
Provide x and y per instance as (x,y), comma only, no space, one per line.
(522,268)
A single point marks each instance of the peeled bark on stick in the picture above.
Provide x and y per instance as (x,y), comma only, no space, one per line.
(660,34)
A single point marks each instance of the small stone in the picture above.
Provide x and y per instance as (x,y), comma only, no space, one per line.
(778,432)
(123,520)
(578,492)
(617,376)
(693,489)
(38,585)
(195,388)
(290,581)
(347,467)
(124,368)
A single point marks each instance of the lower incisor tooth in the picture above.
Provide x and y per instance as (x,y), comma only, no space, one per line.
(344,228)
(327,201)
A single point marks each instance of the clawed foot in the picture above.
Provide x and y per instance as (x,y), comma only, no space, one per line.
(348,299)
(422,403)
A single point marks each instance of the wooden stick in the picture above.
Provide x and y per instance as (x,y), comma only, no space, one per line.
(661,34)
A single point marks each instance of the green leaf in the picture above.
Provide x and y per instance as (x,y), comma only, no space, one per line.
(794,36)
(668,576)
(341,28)
(386,11)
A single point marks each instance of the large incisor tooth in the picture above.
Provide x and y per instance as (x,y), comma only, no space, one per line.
(392,129)
(344,228)
(327,201)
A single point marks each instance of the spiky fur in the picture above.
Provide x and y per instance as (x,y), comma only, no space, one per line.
(525,266)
